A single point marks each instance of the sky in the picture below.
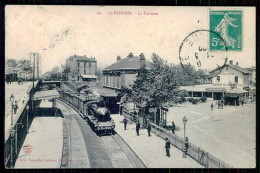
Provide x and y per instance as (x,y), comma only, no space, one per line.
(57,32)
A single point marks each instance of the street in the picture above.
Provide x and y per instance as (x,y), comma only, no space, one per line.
(227,133)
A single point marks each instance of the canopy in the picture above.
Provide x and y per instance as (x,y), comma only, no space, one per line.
(88,76)
(49,94)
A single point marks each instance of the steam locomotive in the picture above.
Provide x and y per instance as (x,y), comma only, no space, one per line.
(92,109)
(99,118)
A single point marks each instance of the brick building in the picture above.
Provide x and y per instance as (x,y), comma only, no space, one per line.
(82,68)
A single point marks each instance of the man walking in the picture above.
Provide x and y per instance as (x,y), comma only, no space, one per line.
(167,147)
(137,127)
(173,127)
(125,122)
(212,106)
(148,127)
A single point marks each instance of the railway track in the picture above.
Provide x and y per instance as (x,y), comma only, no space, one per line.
(117,154)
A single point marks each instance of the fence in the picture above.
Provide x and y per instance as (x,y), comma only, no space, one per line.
(198,154)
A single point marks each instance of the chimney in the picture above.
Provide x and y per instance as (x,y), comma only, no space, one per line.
(231,62)
(130,55)
(118,58)
(142,59)
(237,63)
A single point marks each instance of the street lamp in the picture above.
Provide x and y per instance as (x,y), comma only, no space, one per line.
(12,101)
(27,108)
(184,123)
(12,131)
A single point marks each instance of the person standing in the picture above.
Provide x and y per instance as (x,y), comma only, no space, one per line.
(15,107)
(186,142)
(137,127)
(167,147)
(173,127)
(242,103)
(212,106)
(149,127)
(121,110)
(125,122)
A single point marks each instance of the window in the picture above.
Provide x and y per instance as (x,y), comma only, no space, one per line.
(226,68)
(236,79)
(89,65)
(218,78)
(78,65)
(84,65)
(84,71)
(78,70)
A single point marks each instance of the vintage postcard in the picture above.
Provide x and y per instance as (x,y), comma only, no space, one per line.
(130,87)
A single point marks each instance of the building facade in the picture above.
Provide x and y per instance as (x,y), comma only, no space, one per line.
(232,76)
(82,68)
(123,72)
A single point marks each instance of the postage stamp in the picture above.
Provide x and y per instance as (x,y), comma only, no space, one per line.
(228,24)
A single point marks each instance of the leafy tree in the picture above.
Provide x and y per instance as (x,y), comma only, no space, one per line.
(54,74)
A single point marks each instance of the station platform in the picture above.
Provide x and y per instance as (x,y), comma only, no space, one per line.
(151,149)
(43,144)
(21,95)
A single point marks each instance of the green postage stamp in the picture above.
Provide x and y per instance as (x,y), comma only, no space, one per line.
(228,24)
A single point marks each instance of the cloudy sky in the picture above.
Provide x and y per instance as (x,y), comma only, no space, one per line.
(57,32)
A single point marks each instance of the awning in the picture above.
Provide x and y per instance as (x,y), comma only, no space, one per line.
(88,76)
(49,94)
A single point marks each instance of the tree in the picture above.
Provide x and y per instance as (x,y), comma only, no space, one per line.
(54,74)
(65,72)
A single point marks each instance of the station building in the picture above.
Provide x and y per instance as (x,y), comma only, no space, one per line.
(123,72)
(233,81)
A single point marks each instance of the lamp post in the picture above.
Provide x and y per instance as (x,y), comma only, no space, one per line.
(16,134)
(12,131)
(12,101)
(27,125)
(184,123)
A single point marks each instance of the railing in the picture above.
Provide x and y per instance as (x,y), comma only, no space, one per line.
(198,154)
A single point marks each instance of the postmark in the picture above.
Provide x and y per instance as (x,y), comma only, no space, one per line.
(197,59)
(27,148)
(228,24)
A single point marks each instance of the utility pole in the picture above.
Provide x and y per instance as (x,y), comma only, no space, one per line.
(33,79)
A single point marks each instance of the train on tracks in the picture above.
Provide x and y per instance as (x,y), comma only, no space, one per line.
(93,110)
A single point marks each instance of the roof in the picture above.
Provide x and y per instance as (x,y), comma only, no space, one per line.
(89,76)
(106,92)
(243,70)
(236,91)
(129,63)
(49,94)
(251,69)
(82,58)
